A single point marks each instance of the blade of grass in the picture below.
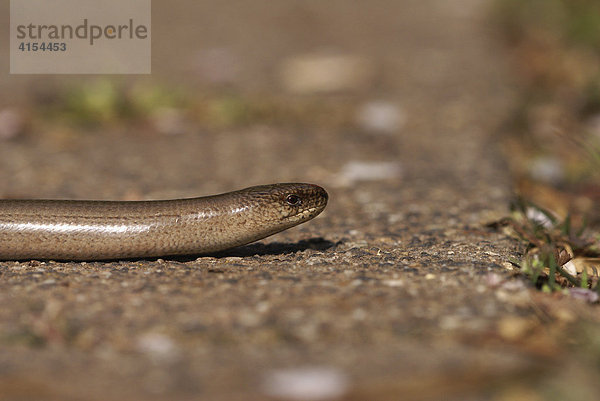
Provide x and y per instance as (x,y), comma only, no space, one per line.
(571,279)
(552,266)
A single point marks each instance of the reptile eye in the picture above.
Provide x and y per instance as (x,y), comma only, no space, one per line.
(293,200)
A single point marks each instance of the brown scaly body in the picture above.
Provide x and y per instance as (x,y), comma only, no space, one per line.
(92,230)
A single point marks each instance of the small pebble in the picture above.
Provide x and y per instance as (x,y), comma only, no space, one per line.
(539,217)
(328,73)
(306,384)
(157,346)
(48,282)
(584,294)
(356,171)
(508,266)
(381,117)
(393,283)
(570,268)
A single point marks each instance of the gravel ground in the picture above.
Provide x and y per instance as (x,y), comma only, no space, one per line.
(398,291)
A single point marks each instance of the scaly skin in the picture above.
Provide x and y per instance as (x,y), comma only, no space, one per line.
(92,230)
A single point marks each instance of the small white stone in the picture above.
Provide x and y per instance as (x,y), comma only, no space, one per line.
(381,117)
(306,384)
(539,217)
(570,268)
(393,283)
(157,346)
(356,171)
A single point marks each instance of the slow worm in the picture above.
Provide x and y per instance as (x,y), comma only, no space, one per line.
(92,230)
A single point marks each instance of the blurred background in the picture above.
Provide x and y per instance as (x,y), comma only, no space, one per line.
(238,96)
(267,78)
(553,134)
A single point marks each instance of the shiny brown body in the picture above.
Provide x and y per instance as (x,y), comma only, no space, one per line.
(91,230)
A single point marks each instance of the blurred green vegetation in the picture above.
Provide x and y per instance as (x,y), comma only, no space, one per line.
(104,102)
(575,22)
(555,51)
(557,45)
(551,243)
(553,139)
